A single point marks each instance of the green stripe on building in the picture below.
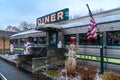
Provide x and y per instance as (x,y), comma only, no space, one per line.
(110,60)
(20,49)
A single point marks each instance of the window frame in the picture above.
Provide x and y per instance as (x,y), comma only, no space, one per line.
(107,43)
(70,35)
(99,43)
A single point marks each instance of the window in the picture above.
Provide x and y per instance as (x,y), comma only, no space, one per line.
(14,41)
(83,40)
(35,40)
(67,38)
(41,40)
(22,40)
(113,38)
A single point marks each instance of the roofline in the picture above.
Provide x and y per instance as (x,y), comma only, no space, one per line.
(88,24)
(94,14)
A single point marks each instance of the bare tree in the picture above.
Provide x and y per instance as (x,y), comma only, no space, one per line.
(97,10)
(25,26)
(74,17)
(16,29)
(9,28)
(12,28)
(31,26)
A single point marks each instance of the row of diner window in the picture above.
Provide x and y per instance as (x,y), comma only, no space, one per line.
(112,38)
(82,39)
(34,40)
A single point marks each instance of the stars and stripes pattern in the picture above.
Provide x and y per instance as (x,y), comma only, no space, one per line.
(91,34)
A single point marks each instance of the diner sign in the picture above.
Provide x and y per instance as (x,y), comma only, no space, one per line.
(58,16)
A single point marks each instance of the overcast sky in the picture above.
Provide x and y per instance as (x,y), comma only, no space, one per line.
(12,12)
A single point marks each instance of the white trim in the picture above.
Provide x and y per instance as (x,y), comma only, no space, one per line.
(26,32)
(97,20)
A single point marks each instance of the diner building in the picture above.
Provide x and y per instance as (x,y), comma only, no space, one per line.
(108,33)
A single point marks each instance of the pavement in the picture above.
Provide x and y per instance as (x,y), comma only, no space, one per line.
(10,71)
(9,58)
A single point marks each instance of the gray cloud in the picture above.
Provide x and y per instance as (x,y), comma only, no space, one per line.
(15,11)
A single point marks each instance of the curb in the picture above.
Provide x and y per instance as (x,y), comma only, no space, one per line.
(8,60)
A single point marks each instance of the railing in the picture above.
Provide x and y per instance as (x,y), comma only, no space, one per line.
(43,47)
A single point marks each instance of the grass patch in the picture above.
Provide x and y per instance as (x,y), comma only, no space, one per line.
(52,72)
(0,52)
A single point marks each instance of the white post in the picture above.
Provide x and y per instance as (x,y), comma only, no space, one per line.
(66,73)
(46,64)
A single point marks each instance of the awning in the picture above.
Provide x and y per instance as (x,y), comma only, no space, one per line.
(26,34)
(49,27)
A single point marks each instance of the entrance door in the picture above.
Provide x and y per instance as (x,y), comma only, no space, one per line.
(53,39)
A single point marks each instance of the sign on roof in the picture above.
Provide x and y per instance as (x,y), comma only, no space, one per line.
(54,17)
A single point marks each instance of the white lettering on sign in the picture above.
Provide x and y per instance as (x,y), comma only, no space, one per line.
(47,19)
(50,18)
(54,17)
(60,15)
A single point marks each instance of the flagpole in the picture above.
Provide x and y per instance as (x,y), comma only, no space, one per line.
(91,13)
(101,49)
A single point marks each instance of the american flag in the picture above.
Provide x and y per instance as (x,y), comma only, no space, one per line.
(91,34)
